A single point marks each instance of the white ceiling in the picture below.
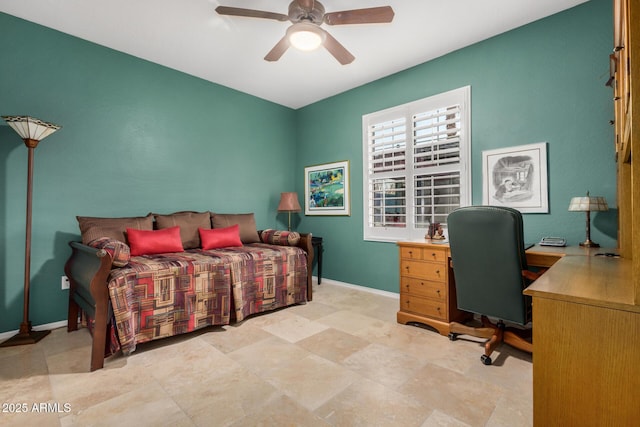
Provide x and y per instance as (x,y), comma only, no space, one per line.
(189,36)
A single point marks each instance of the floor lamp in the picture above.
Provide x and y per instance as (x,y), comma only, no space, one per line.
(31,131)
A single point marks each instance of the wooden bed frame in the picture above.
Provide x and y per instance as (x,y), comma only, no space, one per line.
(88,270)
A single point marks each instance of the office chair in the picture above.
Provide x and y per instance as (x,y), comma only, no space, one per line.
(490,270)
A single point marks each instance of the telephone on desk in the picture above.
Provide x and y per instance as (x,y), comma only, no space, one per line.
(553,241)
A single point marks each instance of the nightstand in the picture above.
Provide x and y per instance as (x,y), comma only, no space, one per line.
(316,242)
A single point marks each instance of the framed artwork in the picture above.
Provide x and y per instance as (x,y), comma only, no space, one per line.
(326,189)
(516,177)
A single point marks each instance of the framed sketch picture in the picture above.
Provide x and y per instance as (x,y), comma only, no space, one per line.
(516,177)
(326,189)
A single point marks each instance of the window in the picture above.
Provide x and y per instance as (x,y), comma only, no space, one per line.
(416,165)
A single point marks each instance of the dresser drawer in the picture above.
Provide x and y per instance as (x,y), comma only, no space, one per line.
(424,270)
(428,254)
(423,306)
(424,288)
(434,254)
(411,252)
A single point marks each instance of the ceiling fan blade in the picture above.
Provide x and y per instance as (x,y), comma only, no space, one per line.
(251,13)
(306,4)
(372,15)
(278,50)
(336,49)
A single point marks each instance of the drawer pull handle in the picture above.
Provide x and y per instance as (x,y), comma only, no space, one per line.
(411,253)
(438,309)
(433,254)
(438,272)
(438,292)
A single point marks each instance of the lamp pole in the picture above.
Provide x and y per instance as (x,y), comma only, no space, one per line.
(25,326)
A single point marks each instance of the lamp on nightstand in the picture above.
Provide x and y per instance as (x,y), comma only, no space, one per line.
(588,204)
(31,131)
(289,203)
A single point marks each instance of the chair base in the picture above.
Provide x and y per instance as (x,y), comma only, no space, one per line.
(496,333)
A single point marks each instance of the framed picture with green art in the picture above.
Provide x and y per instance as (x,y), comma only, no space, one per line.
(326,189)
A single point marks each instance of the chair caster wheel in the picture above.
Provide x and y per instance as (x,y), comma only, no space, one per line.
(485,359)
(452,336)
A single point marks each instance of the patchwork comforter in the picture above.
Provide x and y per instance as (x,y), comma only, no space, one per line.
(157,296)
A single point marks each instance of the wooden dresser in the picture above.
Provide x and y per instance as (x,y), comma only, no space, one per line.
(427,287)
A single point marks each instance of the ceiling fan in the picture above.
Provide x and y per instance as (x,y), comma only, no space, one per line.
(305,33)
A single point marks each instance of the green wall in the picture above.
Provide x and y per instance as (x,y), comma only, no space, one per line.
(541,82)
(136,137)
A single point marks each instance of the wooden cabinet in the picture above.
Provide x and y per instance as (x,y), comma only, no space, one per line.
(625,64)
(586,334)
(427,287)
(586,310)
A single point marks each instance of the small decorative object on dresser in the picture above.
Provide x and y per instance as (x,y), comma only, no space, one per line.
(427,287)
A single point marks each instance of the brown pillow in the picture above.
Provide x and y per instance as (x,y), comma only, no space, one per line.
(247,223)
(93,228)
(189,223)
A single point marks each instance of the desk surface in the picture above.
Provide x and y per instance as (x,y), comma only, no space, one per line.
(591,280)
(581,277)
(569,250)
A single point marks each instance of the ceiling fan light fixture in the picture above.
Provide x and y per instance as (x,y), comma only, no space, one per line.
(305,36)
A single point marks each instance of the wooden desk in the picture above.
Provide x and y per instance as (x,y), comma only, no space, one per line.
(427,283)
(586,359)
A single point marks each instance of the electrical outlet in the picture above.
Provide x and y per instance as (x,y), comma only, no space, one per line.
(65,282)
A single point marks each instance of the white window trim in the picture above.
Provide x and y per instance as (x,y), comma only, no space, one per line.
(460,96)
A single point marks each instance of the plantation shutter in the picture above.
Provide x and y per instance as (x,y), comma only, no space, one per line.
(436,165)
(416,165)
(387,157)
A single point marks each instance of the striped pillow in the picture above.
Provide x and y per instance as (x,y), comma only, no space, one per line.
(280,237)
(120,252)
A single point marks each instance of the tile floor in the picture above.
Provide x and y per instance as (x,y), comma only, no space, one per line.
(340,360)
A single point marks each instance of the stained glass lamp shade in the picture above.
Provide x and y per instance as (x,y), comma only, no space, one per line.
(588,204)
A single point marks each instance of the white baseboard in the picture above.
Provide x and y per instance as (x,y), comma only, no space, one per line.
(360,288)
(63,323)
(45,327)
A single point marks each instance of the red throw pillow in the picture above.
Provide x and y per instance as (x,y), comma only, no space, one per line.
(147,242)
(216,238)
